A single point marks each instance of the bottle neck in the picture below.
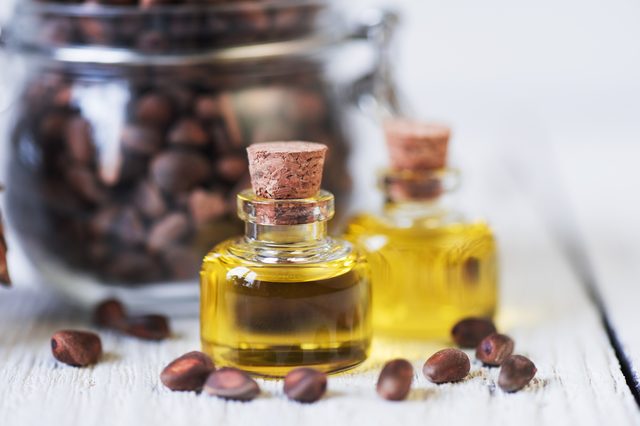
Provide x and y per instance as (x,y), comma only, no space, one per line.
(419,194)
(286,222)
(307,233)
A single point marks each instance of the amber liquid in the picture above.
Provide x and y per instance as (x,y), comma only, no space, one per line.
(270,318)
(427,276)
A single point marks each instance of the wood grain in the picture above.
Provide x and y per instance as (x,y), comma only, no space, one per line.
(606,203)
(544,308)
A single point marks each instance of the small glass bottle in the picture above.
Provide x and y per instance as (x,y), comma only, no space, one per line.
(430,266)
(285,294)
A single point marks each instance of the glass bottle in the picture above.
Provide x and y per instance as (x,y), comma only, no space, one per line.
(430,265)
(285,294)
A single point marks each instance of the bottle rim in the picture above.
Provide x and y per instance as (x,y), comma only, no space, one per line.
(299,211)
(418,185)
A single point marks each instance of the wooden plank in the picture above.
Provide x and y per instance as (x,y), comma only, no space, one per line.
(602,189)
(544,307)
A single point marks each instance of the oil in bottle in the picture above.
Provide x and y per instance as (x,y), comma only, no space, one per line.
(285,295)
(430,266)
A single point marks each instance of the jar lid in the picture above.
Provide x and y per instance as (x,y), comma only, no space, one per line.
(173,34)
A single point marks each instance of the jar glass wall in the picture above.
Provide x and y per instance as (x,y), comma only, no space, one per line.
(124,163)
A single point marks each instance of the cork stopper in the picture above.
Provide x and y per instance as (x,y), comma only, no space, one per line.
(414,145)
(286,170)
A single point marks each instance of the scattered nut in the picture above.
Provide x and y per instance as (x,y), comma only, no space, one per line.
(110,314)
(305,385)
(516,372)
(395,380)
(447,365)
(469,332)
(231,383)
(188,372)
(494,349)
(76,348)
(148,327)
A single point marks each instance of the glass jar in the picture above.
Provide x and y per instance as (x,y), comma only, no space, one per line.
(127,137)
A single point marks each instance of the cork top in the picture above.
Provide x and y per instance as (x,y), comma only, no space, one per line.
(415,145)
(286,170)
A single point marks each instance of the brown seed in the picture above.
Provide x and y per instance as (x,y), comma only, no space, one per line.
(232,123)
(76,348)
(167,231)
(5,279)
(110,314)
(123,224)
(516,372)
(206,206)
(133,267)
(125,167)
(188,132)
(494,349)
(207,108)
(79,141)
(305,385)
(469,332)
(176,172)
(152,42)
(447,365)
(53,126)
(182,262)
(395,380)
(232,167)
(231,383)
(129,228)
(149,201)
(151,3)
(101,224)
(154,109)
(187,373)
(96,31)
(148,327)
(85,184)
(141,140)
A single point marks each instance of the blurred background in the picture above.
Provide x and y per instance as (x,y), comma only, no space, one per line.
(551,86)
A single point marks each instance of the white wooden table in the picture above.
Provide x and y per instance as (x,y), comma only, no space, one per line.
(544,307)
(547,132)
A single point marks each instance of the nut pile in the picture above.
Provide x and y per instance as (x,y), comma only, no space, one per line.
(196,27)
(146,203)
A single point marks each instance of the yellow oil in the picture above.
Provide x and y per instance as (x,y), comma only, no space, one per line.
(269,318)
(428,275)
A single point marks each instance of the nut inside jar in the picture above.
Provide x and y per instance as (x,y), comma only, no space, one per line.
(132,176)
